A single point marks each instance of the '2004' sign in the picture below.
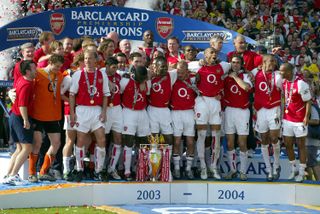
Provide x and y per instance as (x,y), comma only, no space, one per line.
(230,194)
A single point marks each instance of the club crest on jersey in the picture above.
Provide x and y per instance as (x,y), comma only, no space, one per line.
(218,70)
(198,115)
(125,128)
(100,80)
(164,26)
(57,23)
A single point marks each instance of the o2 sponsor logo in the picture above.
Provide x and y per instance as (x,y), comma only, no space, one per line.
(182,92)
(147,195)
(231,195)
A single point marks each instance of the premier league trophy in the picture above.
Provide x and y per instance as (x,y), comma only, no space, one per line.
(153,160)
(155,157)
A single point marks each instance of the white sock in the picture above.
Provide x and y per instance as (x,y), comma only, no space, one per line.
(266,158)
(207,154)
(200,147)
(232,160)
(101,155)
(216,148)
(79,158)
(189,163)
(276,155)
(66,164)
(176,161)
(127,153)
(115,154)
(243,162)
(302,168)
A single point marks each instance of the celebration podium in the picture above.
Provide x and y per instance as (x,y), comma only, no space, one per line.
(254,191)
(177,192)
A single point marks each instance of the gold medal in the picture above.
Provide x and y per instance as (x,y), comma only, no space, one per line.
(91,101)
(286,111)
(111,104)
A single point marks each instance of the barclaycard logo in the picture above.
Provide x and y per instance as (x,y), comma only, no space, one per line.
(199,36)
(23,33)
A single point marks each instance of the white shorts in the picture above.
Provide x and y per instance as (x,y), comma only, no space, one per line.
(114,119)
(292,129)
(268,119)
(88,118)
(183,122)
(67,125)
(135,122)
(207,111)
(236,121)
(160,120)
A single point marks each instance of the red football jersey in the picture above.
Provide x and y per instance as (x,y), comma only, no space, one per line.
(263,83)
(183,96)
(132,96)
(295,108)
(24,97)
(234,95)
(160,91)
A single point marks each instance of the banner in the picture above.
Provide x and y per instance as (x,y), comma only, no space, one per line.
(129,23)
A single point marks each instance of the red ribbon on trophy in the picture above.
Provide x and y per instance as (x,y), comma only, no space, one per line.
(143,165)
(165,165)
(147,164)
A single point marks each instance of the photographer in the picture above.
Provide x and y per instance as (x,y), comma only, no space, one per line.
(313,138)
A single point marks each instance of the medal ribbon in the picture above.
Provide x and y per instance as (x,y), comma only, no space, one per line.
(135,96)
(91,91)
(193,87)
(113,86)
(53,85)
(272,82)
(158,83)
(288,94)
(152,51)
(179,56)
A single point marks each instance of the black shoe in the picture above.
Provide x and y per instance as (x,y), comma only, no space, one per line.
(68,176)
(47,177)
(88,174)
(128,177)
(103,176)
(276,174)
(196,172)
(269,176)
(189,175)
(78,176)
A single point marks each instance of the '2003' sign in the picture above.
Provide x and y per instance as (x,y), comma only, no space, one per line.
(148,195)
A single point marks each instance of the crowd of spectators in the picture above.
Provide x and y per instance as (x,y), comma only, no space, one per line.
(293,25)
